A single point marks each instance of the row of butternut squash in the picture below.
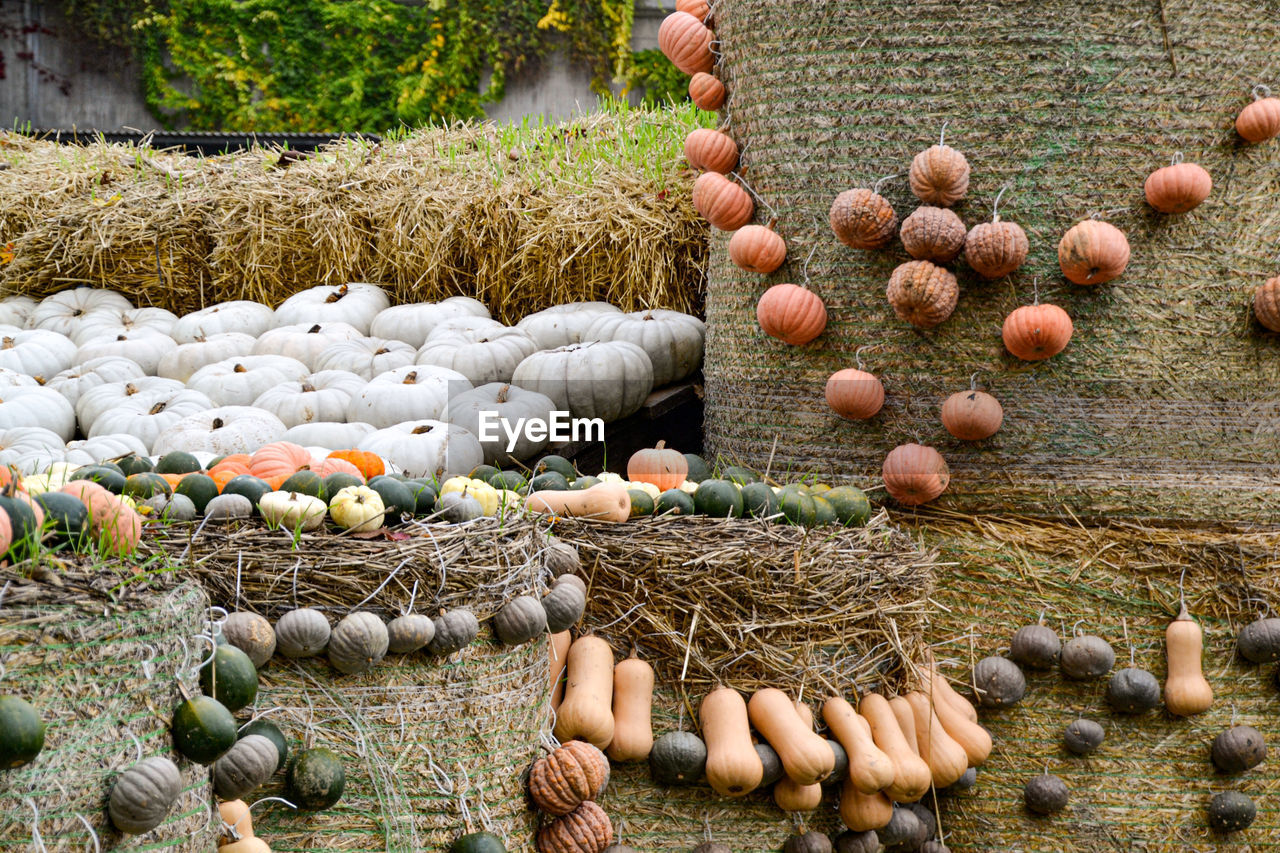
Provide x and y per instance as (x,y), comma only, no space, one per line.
(606,704)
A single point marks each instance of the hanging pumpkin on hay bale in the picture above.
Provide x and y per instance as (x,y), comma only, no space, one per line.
(1093,252)
(686,41)
(1266,304)
(793,314)
(933,234)
(711,150)
(939,174)
(914,474)
(863,219)
(757,248)
(1260,120)
(722,202)
(1037,332)
(923,293)
(1178,188)
(706,92)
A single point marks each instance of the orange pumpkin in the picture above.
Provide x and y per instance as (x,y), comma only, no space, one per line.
(172,480)
(1260,120)
(722,202)
(686,41)
(335,465)
(1178,188)
(791,313)
(6,532)
(242,459)
(369,465)
(711,150)
(994,249)
(706,92)
(756,248)
(278,458)
(863,219)
(939,175)
(700,9)
(923,293)
(666,469)
(1093,252)
(1037,332)
(915,474)
(972,415)
(117,527)
(9,475)
(1266,304)
(221,476)
(933,234)
(854,394)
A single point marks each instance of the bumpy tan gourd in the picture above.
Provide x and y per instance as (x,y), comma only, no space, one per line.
(805,756)
(870,769)
(733,767)
(994,249)
(1266,304)
(863,219)
(632,709)
(573,773)
(933,234)
(586,829)
(587,709)
(923,293)
(939,175)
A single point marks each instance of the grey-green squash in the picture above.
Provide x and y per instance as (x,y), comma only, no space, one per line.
(397,498)
(454,630)
(564,604)
(358,643)
(249,764)
(678,758)
(699,470)
(177,462)
(251,634)
(271,732)
(758,500)
(457,507)
(302,633)
(67,518)
(143,794)
(641,503)
(851,505)
(520,620)
(21,732)
(410,632)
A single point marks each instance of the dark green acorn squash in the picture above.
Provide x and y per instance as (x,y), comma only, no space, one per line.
(177,462)
(675,502)
(197,488)
(203,729)
(306,482)
(718,499)
(21,732)
(146,485)
(315,779)
(67,519)
(230,677)
(758,500)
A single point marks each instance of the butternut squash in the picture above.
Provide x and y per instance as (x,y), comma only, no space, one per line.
(632,710)
(246,845)
(586,712)
(805,756)
(870,770)
(907,722)
(791,796)
(606,502)
(944,692)
(861,812)
(806,715)
(1186,691)
(557,652)
(911,776)
(235,813)
(973,738)
(946,759)
(734,768)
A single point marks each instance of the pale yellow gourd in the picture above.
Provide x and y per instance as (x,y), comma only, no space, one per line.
(733,767)
(806,758)
(912,776)
(861,812)
(947,760)
(632,710)
(586,712)
(557,654)
(1186,691)
(870,770)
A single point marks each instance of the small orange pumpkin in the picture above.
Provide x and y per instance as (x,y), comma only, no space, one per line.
(791,313)
(756,248)
(923,293)
(939,175)
(686,41)
(1178,188)
(369,465)
(863,219)
(933,234)
(972,415)
(1266,303)
(1093,252)
(722,202)
(855,394)
(700,9)
(335,465)
(995,249)
(1037,332)
(1260,120)
(666,469)
(915,474)
(221,476)
(278,458)
(6,532)
(706,92)
(711,150)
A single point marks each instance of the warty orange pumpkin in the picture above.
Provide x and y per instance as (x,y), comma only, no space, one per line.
(571,774)
(995,249)
(939,175)
(1266,303)
(933,234)
(863,219)
(923,293)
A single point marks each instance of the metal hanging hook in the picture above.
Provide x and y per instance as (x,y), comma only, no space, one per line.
(1176,158)
(1261,91)
(804,268)
(942,136)
(876,188)
(857,354)
(995,207)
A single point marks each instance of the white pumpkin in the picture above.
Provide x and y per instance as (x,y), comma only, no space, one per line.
(37,407)
(426,448)
(148,414)
(672,340)
(406,393)
(322,396)
(483,356)
(95,401)
(305,342)
(241,380)
(365,357)
(334,436)
(110,323)
(14,379)
(75,381)
(241,315)
(464,325)
(37,352)
(412,323)
(221,431)
(292,511)
(30,449)
(501,402)
(144,346)
(91,451)
(184,360)
(63,311)
(16,311)
(607,380)
(51,479)
(355,303)
(561,325)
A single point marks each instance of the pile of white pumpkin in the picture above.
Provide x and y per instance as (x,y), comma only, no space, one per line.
(332,367)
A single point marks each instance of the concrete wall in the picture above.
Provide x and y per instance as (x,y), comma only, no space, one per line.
(104,94)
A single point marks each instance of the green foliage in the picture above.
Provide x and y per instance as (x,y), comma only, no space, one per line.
(662,82)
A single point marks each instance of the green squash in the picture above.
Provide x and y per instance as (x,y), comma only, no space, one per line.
(247,486)
(483,472)
(478,842)
(797,507)
(131,464)
(397,497)
(177,462)
(271,732)
(641,503)
(230,677)
(718,499)
(851,505)
(339,480)
(26,533)
(67,519)
(203,729)
(584,483)
(21,732)
(315,779)
(146,485)
(424,496)
(558,464)
(758,500)
(552,480)
(112,466)
(675,502)
(740,475)
(824,513)
(305,482)
(510,480)
(699,470)
(197,488)
(109,478)
(677,758)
